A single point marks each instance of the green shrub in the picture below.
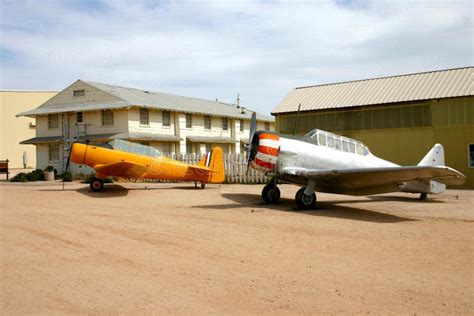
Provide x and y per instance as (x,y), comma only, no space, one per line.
(49,169)
(21,177)
(67,176)
(36,175)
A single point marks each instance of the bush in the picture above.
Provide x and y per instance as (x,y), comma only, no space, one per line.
(67,176)
(36,175)
(49,169)
(21,177)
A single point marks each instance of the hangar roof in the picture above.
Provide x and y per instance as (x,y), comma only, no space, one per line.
(410,87)
(124,97)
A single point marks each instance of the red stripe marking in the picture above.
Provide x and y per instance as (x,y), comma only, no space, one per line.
(264,164)
(269,150)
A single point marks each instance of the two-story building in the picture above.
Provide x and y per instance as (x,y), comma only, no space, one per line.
(172,124)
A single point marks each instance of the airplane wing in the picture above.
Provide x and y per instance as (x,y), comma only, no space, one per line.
(377,180)
(122,169)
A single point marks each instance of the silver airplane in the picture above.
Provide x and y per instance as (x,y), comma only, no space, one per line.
(325,162)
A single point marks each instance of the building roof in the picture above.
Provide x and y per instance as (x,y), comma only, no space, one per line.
(128,97)
(410,87)
(143,136)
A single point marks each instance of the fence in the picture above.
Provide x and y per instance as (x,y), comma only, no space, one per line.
(235,168)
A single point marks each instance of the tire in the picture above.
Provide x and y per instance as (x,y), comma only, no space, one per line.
(304,201)
(97,185)
(423,196)
(271,194)
(203,185)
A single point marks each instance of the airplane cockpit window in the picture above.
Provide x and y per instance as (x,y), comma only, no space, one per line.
(345,146)
(352,147)
(337,143)
(322,139)
(359,149)
(330,141)
(134,148)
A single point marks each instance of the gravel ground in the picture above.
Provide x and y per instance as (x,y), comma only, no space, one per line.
(173,249)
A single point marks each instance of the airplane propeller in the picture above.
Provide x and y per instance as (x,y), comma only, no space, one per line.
(253,129)
(68,161)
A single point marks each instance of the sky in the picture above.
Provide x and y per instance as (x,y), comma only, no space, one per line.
(217,49)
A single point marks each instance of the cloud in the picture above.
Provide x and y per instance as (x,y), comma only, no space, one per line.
(216,49)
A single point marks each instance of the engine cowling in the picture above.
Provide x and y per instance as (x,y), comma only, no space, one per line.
(264,151)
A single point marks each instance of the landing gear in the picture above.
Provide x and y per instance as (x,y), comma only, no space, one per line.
(423,196)
(305,201)
(203,185)
(271,193)
(97,185)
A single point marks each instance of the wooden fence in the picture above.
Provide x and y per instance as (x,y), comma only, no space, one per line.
(235,168)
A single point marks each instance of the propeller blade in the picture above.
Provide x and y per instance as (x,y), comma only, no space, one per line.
(253,129)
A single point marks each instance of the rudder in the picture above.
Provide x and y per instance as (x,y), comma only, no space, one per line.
(214,160)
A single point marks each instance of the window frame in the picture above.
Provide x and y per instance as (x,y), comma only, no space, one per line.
(225,123)
(207,119)
(267,126)
(79,93)
(81,115)
(189,120)
(55,152)
(50,121)
(144,116)
(166,121)
(105,119)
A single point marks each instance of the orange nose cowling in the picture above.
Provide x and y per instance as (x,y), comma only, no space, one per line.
(78,153)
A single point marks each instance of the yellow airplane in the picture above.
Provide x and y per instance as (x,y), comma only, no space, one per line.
(124,159)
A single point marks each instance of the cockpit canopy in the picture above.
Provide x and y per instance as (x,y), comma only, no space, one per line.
(134,148)
(345,144)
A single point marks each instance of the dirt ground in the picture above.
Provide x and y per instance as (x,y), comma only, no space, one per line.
(173,249)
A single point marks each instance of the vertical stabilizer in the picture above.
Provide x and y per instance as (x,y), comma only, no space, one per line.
(214,160)
(435,157)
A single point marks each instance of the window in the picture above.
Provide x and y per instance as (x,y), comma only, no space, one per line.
(53,121)
(207,122)
(330,140)
(79,117)
(144,116)
(471,155)
(53,152)
(322,139)
(208,148)
(352,147)
(241,125)
(79,93)
(345,146)
(189,120)
(166,117)
(189,148)
(107,117)
(267,126)
(166,148)
(225,124)
(337,143)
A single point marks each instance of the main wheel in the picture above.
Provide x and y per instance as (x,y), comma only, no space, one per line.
(270,194)
(97,185)
(304,201)
(423,196)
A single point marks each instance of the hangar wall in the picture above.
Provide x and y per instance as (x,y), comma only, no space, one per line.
(400,132)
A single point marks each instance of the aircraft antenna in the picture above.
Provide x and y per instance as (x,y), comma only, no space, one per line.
(296,119)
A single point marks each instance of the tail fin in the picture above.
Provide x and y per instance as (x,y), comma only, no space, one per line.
(435,157)
(214,160)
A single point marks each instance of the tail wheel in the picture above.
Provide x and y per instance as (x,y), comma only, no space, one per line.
(271,194)
(97,185)
(304,201)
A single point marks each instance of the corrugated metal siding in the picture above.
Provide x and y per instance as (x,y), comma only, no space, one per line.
(412,87)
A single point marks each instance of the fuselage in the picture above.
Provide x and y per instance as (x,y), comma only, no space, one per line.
(156,167)
(302,154)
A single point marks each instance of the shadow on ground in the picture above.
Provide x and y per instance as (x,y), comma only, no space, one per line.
(325,209)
